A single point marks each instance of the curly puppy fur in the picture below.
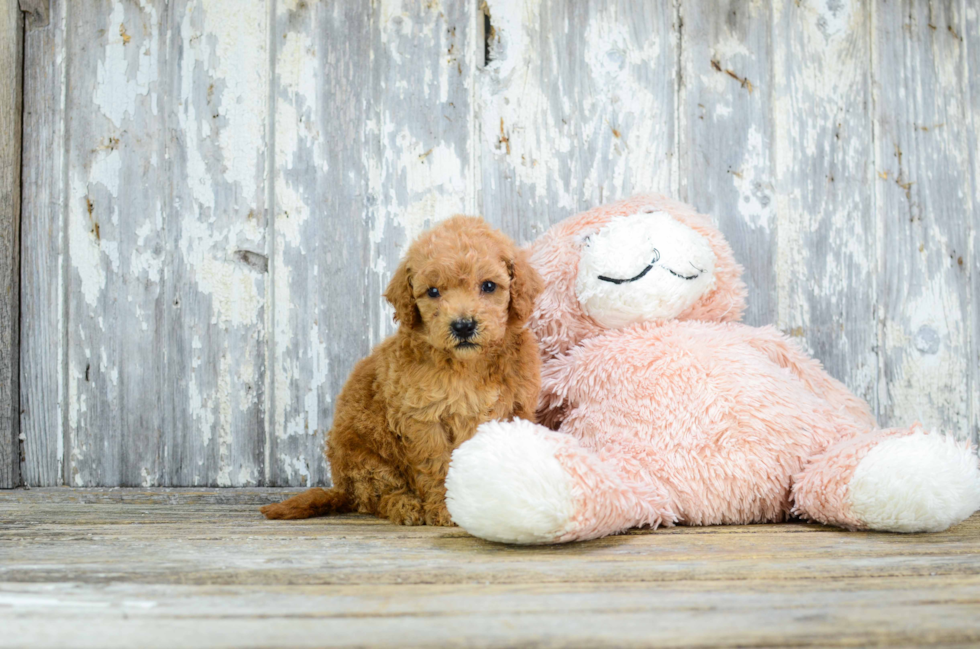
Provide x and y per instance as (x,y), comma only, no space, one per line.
(462,356)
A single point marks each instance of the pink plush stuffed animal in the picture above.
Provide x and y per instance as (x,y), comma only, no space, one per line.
(667,411)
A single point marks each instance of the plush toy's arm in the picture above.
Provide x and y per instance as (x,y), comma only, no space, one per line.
(518,482)
(554,402)
(786,353)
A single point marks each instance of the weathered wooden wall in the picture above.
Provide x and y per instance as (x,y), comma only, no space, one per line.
(216,192)
(11,69)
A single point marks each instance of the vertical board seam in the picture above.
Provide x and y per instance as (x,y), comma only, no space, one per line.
(774,217)
(270,317)
(19,458)
(171,314)
(166,477)
(65,457)
(679,192)
(678,83)
(879,262)
(972,365)
(479,44)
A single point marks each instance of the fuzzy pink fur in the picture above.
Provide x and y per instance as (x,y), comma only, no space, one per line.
(696,420)
(607,493)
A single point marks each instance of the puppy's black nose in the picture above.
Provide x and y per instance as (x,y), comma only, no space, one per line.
(463,329)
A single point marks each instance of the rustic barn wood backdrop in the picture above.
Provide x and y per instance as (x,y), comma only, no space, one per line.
(215,193)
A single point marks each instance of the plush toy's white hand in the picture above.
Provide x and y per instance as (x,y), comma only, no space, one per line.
(505,484)
(518,482)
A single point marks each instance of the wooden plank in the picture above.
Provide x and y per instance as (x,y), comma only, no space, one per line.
(202,568)
(323,97)
(726,131)
(11,105)
(372,120)
(576,108)
(924,207)
(217,267)
(44,249)
(117,186)
(477,615)
(971,34)
(166,200)
(214,530)
(824,176)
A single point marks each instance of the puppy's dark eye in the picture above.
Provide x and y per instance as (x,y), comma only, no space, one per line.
(432,292)
(488,287)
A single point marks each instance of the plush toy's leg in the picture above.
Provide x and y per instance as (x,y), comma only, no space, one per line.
(518,482)
(897,480)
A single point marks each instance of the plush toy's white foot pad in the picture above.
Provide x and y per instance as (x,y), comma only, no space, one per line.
(505,484)
(916,483)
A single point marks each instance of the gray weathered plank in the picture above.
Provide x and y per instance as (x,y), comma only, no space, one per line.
(971,34)
(44,249)
(726,133)
(576,108)
(166,200)
(215,257)
(924,206)
(116,201)
(323,95)
(826,259)
(11,69)
(373,117)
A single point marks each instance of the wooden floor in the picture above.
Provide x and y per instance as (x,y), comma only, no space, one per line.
(168,568)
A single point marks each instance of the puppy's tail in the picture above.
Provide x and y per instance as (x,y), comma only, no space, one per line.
(310,503)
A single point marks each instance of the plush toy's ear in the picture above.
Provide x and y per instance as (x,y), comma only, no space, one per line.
(525,285)
(399,294)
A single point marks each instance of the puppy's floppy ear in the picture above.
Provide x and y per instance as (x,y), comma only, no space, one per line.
(525,285)
(399,294)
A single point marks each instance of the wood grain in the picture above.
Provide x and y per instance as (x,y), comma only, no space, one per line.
(11,89)
(576,107)
(924,207)
(158,251)
(116,186)
(726,134)
(971,37)
(373,143)
(211,426)
(202,568)
(43,251)
(826,259)
(322,162)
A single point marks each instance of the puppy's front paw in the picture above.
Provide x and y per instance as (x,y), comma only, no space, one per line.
(402,509)
(439,516)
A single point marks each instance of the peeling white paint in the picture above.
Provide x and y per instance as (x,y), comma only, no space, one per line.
(238,28)
(118,86)
(85,213)
(223,397)
(233,288)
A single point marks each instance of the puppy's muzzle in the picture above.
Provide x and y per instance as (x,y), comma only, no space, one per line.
(463,329)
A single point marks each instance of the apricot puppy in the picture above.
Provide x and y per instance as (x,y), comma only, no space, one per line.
(461,356)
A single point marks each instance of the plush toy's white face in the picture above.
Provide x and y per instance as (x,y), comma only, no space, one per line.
(644,266)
